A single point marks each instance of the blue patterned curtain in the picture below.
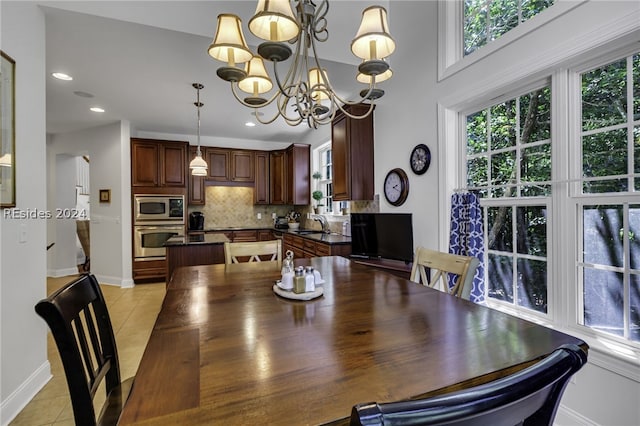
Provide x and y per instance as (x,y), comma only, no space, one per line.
(467,237)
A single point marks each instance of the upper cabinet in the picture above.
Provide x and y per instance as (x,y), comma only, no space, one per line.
(352,155)
(261,185)
(228,165)
(289,176)
(298,187)
(158,164)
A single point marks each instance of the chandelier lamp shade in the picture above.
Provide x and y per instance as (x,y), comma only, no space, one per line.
(303,92)
(198,165)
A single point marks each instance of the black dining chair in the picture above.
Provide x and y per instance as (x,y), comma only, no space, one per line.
(529,397)
(79,321)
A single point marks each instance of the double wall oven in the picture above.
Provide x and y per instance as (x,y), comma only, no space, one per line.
(156,219)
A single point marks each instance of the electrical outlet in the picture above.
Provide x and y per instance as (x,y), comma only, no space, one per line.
(273,216)
(259,216)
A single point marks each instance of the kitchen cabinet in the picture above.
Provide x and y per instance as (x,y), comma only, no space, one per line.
(265,235)
(261,185)
(352,155)
(298,186)
(158,164)
(277,177)
(306,247)
(196,183)
(149,270)
(228,165)
(289,174)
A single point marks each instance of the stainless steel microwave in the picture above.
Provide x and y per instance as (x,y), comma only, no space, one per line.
(158,208)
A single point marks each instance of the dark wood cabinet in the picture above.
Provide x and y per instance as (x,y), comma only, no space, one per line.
(226,165)
(218,162)
(242,167)
(277,177)
(261,185)
(265,235)
(298,189)
(352,156)
(196,183)
(305,247)
(157,163)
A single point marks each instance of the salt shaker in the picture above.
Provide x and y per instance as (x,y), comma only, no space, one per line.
(299,281)
(309,279)
(287,272)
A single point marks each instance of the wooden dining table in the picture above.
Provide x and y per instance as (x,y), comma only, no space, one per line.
(225,349)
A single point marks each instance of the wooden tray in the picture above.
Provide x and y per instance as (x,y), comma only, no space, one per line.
(298,296)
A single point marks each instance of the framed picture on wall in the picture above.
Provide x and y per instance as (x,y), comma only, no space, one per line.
(105,195)
(8,136)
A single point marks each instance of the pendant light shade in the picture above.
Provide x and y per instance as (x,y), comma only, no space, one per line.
(198,165)
(5,160)
(274,21)
(229,44)
(373,40)
(366,79)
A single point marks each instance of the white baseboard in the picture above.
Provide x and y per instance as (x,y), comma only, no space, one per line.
(568,417)
(15,402)
(56,273)
(117,281)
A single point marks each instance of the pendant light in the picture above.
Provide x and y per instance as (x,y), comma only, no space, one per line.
(198,165)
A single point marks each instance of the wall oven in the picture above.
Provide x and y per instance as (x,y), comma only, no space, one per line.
(154,208)
(149,240)
(156,218)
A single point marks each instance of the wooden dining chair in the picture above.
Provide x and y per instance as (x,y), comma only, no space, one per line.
(441,264)
(79,321)
(529,397)
(260,251)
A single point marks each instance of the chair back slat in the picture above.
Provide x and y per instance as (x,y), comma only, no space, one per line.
(79,321)
(529,397)
(260,251)
(441,264)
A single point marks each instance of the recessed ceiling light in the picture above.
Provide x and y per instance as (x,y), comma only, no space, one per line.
(62,76)
(96,109)
(250,124)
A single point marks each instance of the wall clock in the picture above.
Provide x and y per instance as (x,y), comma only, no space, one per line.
(420,159)
(396,187)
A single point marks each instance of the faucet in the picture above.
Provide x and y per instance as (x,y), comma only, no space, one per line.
(323,221)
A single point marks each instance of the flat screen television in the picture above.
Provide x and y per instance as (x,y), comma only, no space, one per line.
(382,236)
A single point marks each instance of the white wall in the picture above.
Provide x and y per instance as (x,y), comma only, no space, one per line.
(24,368)
(108,148)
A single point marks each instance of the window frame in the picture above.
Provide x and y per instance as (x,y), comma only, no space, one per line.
(611,352)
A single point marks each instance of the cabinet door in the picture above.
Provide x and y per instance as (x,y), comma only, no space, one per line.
(352,156)
(144,163)
(242,168)
(261,186)
(298,175)
(173,164)
(265,235)
(278,178)
(340,158)
(218,161)
(196,183)
(245,236)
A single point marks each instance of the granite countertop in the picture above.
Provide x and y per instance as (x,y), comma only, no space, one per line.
(196,239)
(316,235)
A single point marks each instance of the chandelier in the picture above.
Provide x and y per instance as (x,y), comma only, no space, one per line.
(304,92)
(198,165)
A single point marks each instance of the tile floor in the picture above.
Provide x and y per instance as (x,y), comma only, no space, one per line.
(133,312)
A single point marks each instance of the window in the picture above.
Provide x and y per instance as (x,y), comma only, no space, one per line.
(486,20)
(509,165)
(324,183)
(608,203)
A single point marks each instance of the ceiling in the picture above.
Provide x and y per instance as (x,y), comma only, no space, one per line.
(139,60)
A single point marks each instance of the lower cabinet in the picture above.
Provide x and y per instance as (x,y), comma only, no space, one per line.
(149,270)
(304,247)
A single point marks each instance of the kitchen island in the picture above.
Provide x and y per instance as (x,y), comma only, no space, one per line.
(193,250)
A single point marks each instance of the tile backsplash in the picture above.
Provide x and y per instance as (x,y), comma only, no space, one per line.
(231,207)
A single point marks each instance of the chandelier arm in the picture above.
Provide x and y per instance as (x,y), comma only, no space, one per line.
(319,29)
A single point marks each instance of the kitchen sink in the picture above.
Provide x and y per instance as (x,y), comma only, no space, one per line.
(307,231)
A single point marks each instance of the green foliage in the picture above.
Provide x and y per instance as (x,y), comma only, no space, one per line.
(317,195)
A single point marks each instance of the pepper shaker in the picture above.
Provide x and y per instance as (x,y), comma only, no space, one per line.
(299,281)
